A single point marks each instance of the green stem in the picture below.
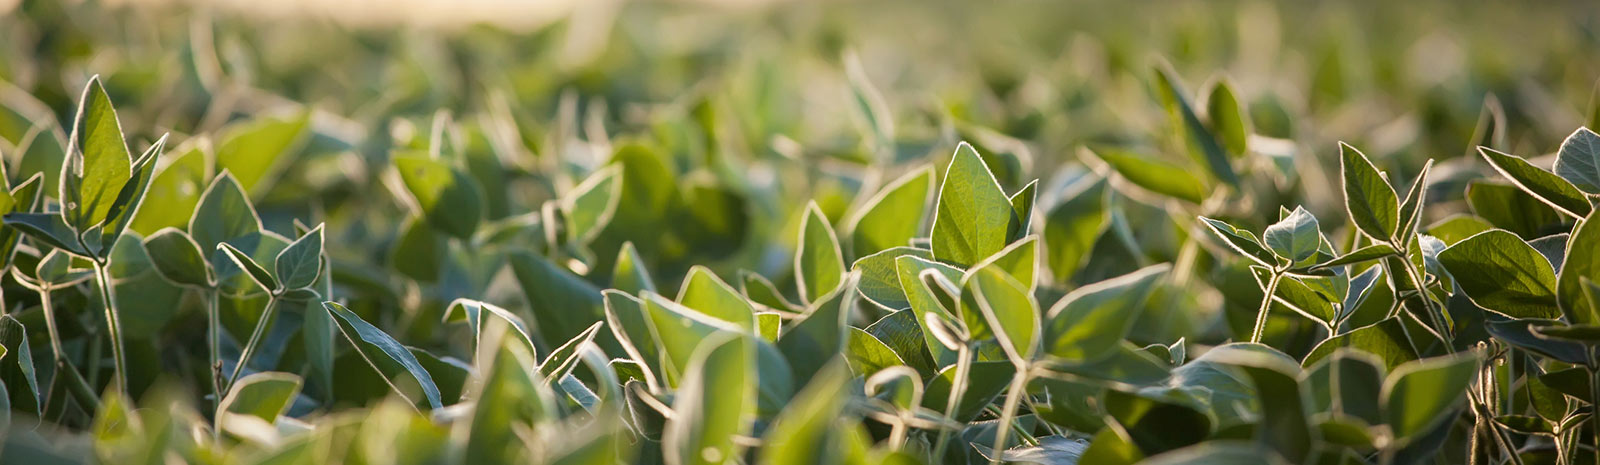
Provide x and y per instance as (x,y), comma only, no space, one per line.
(1266,307)
(1594,399)
(46,304)
(214,340)
(255,341)
(102,276)
(1436,315)
(958,386)
(1019,388)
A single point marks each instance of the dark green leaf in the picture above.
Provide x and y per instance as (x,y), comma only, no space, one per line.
(1369,199)
(974,215)
(1579,160)
(384,354)
(1547,187)
(1502,273)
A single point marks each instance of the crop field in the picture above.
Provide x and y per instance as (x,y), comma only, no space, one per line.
(791,232)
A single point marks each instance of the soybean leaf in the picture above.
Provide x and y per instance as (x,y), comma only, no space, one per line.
(1386,339)
(1578,160)
(1520,333)
(265,395)
(1547,187)
(47,228)
(473,312)
(177,186)
(1202,144)
(801,433)
(17,375)
(1411,205)
(1295,237)
(1155,175)
(1369,199)
(1157,422)
(1417,395)
(98,163)
(1010,311)
(224,213)
(924,302)
(630,274)
(178,258)
(818,263)
(257,274)
(1364,254)
(1505,206)
(257,151)
(1022,205)
(450,199)
(563,304)
(1501,273)
(590,205)
(630,324)
(1242,241)
(299,264)
(1582,260)
(717,393)
(1071,227)
(384,354)
(1284,424)
(1460,226)
(893,216)
(986,381)
(759,290)
(1090,318)
(678,330)
(973,217)
(819,336)
(705,292)
(867,355)
(1020,260)
(511,396)
(880,278)
(562,359)
(132,193)
(1228,119)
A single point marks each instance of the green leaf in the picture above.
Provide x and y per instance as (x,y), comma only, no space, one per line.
(1071,227)
(630,324)
(924,302)
(511,396)
(299,264)
(1345,383)
(17,377)
(178,258)
(985,382)
(1293,292)
(1549,188)
(867,355)
(1361,255)
(1242,241)
(563,358)
(98,163)
(805,432)
(1157,422)
(973,217)
(265,395)
(1010,311)
(818,263)
(590,205)
(224,213)
(818,336)
(1295,237)
(708,294)
(1411,207)
(677,330)
(1090,318)
(1022,205)
(1582,261)
(473,313)
(1155,175)
(1218,453)
(1370,201)
(47,228)
(880,277)
(1507,207)
(257,274)
(1501,273)
(562,303)
(893,216)
(1020,260)
(178,185)
(1228,119)
(1386,339)
(1578,160)
(1284,424)
(448,197)
(758,289)
(257,151)
(1111,446)
(630,274)
(1202,144)
(1419,394)
(1520,333)
(1457,227)
(385,355)
(717,393)
(132,193)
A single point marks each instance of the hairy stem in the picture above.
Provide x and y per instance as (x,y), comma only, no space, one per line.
(102,277)
(958,386)
(255,341)
(1019,388)
(1266,307)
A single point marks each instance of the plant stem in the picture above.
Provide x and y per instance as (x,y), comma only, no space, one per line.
(958,386)
(255,341)
(1019,388)
(1266,307)
(47,306)
(102,276)
(1594,399)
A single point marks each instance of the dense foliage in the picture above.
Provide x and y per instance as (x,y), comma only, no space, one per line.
(803,234)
